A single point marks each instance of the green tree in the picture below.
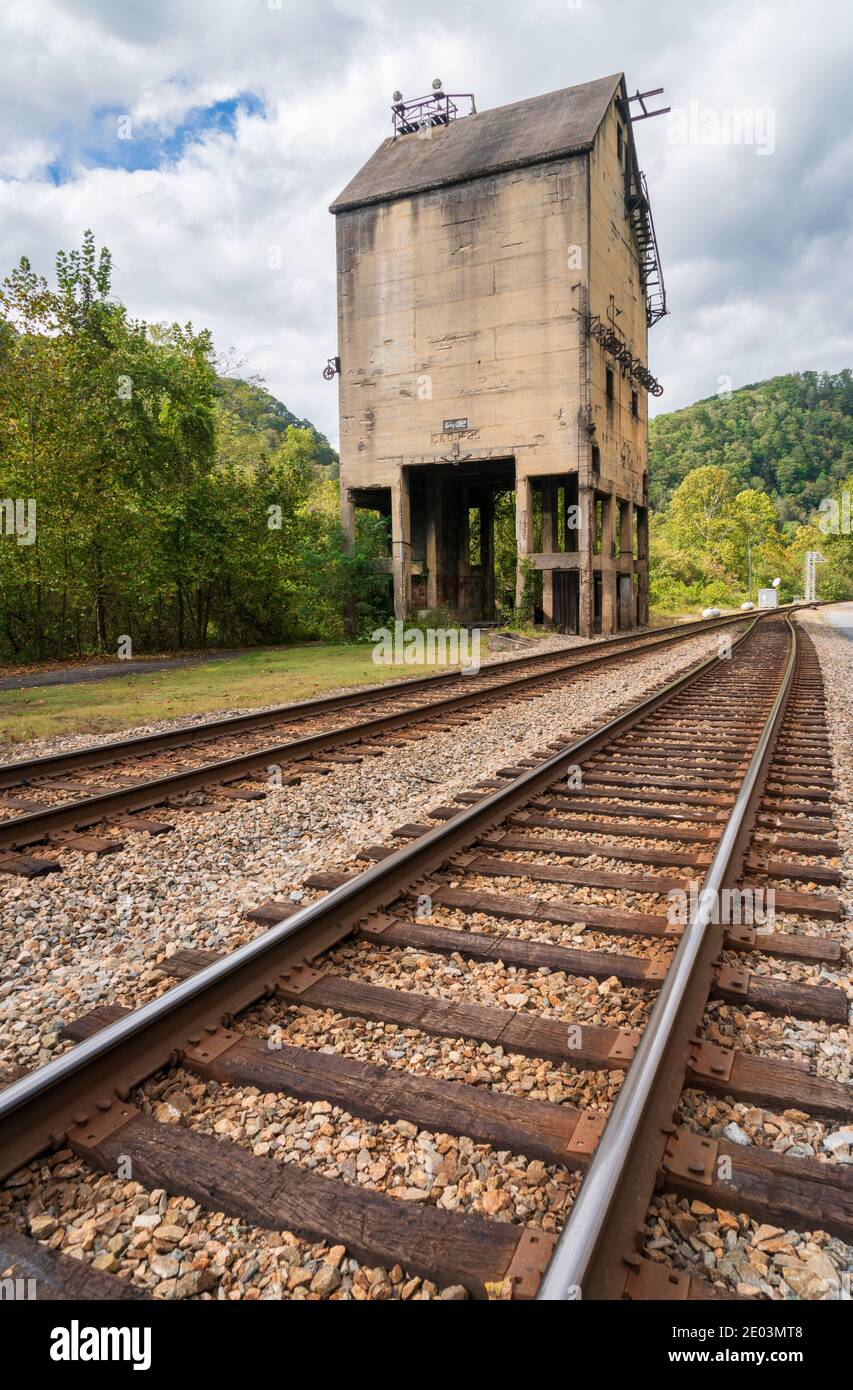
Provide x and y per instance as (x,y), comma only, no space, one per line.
(752,525)
(699,516)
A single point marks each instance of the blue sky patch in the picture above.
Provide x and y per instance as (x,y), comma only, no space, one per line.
(113,141)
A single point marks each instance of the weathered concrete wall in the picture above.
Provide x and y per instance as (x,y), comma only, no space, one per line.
(458,304)
(621,437)
(614,270)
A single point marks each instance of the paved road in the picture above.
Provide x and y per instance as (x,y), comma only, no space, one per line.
(101,671)
(841,617)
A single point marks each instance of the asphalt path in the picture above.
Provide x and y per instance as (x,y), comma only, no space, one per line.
(841,618)
(105,670)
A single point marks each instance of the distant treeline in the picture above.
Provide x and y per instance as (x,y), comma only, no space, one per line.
(171,506)
(790,436)
(744,484)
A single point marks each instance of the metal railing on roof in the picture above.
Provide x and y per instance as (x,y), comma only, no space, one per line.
(421,114)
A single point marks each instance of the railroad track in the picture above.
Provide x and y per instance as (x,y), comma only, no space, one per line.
(577,867)
(55,801)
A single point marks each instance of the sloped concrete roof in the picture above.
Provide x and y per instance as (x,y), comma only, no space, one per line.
(525,132)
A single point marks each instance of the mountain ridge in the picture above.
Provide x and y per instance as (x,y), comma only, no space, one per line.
(791,436)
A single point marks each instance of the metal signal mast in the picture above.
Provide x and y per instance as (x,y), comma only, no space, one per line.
(813,559)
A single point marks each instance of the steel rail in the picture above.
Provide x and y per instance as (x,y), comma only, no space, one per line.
(41,1105)
(36,826)
(94,755)
(576,1269)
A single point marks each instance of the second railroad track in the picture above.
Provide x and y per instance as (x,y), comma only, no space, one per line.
(56,800)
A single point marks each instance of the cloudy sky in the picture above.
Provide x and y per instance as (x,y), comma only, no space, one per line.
(194,135)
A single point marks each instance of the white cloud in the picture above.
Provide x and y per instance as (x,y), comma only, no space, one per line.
(755,250)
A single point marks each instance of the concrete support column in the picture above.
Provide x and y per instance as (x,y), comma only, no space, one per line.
(642,565)
(608,602)
(549,543)
(348,528)
(347,515)
(401,545)
(608,575)
(523,530)
(625,597)
(573,540)
(608,527)
(449,524)
(466,504)
(642,515)
(626,530)
(586,542)
(487,553)
(431,548)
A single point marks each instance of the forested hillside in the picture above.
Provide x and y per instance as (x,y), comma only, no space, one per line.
(742,485)
(267,421)
(148,503)
(790,437)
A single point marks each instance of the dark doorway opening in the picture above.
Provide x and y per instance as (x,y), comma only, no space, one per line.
(458,511)
(567,601)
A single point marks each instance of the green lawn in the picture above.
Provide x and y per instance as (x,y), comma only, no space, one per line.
(254,679)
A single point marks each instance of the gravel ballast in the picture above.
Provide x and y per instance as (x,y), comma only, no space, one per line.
(96,933)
